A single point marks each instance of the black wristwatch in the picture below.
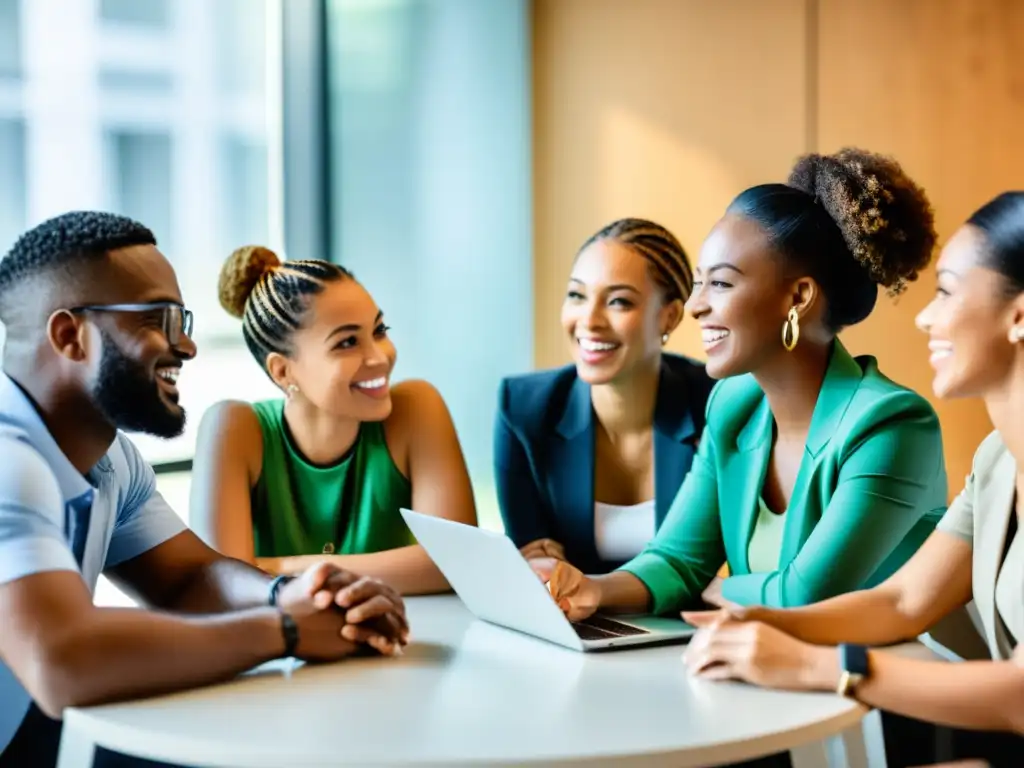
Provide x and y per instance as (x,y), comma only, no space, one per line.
(853,661)
(275,587)
(290,632)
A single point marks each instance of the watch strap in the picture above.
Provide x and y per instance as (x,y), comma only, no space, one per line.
(290,633)
(275,587)
(854,665)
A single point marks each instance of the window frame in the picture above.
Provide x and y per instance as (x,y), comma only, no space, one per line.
(299,147)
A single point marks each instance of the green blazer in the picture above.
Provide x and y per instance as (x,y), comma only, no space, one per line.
(870,489)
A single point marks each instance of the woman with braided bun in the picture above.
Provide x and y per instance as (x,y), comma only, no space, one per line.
(589,457)
(323,472)
(816,475)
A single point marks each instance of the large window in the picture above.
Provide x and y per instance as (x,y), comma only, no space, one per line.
(12,178)
(10,38)
(138,173)
(158,109)
(404,149)
(430,192)
(152,13)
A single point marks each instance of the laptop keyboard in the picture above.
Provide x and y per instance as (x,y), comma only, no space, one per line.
(599,628)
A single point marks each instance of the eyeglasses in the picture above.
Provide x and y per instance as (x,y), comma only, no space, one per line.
(175,320)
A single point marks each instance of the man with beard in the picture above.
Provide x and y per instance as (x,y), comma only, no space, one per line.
(96,335)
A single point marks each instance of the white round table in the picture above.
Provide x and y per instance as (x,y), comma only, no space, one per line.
(468,693)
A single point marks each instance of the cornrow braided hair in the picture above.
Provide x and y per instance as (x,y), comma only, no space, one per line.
(271,296)
(665,254)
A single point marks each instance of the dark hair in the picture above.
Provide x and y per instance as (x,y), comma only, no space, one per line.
(852,221)
(669,265)
(65,242)
(1001,220)
(270,296)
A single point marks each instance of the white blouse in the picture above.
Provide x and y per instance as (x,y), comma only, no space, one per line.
(621,533)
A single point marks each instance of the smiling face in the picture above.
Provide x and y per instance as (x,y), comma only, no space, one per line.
(133,382)
(343,357)
(614,314)
(740,298)
(970,320)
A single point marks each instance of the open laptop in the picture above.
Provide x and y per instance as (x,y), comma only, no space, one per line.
(497,585)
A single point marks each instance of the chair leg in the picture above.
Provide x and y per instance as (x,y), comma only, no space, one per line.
(814,755)
(76,749)
(861,746)
(873,740)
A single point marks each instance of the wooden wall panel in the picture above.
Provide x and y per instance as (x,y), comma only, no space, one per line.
(667,108)
(657,108)
(940,85)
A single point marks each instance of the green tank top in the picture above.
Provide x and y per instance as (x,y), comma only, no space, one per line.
(349,508)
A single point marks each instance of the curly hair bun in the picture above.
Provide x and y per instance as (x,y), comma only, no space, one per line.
(240,274)
(885,218)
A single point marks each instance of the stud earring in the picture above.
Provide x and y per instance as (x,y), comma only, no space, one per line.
(292,389)
(1017,334)
(664,338)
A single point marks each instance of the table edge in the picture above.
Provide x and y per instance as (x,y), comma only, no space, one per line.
(153,745)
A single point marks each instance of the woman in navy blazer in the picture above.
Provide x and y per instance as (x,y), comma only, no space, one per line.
(588,457)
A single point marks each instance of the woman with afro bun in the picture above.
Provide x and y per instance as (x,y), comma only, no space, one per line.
(322,473)
(975,328)
(816,475)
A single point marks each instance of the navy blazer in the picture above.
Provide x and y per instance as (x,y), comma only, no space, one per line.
(544,453)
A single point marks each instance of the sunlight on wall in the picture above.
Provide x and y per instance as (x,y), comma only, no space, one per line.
(647,169)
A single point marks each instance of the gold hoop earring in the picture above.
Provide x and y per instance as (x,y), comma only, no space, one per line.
(791,330)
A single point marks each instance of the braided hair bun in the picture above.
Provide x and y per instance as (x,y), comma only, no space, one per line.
(240,275)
